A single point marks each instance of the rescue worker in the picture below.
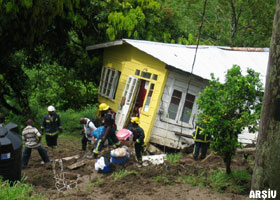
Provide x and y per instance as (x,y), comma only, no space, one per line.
(138,137)
(32,138)
(107,117)
(2,120)
(201,141)
(51,126)
(87,130)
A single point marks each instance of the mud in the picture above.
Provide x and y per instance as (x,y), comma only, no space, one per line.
(141,184)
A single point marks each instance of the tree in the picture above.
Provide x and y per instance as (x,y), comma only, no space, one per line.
(267,169)
(31,31)
(228,108)
(233,22)
(149,20)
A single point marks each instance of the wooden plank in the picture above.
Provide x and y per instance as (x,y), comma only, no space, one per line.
(246,150)
(68,158)
(76,165)
(183,143)
(183,135)
(153,149)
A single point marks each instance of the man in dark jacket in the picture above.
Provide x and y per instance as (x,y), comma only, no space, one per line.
(107,118)
(51,126)
(201,141)
(138,137)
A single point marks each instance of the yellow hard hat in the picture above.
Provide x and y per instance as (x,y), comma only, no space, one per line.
(135,120)
(103,107)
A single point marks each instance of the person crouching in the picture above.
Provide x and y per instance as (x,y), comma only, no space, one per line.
(87,130)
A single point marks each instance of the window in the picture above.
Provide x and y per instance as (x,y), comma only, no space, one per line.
(155,77)
(180,107)
(109,82)
(187,108)
(174,104)
(137,72)
(146,75)
(148,100)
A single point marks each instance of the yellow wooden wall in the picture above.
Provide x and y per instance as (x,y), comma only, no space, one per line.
(127,59)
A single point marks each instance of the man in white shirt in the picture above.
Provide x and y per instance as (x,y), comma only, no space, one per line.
(88,128)
(32,138)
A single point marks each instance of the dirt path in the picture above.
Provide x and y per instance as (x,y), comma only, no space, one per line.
(139,185)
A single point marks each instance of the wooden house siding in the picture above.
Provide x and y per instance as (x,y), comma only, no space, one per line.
(127,59)
(165,131)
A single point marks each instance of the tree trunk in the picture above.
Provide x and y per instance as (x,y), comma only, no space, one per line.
(227,161)
(267,163)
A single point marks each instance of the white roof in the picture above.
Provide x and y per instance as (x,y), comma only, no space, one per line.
(209,59)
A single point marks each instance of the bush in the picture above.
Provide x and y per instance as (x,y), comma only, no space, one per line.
(174,158)
(236,182)
(18,190)
(70,118)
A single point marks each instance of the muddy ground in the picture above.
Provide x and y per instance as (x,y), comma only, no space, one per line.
(140,184)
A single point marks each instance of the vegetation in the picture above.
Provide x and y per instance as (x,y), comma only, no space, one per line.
(123,173)
(43,42)
(174,158)
(44,61)
(18,190)
(228,108)
(237,182)
(194,180)
(267,168)
(162,179)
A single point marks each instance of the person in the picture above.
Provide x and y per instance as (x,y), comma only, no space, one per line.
(51,126)
(87,130)
(201,141)
(107,117)
(32,138)
(138,137)
(2,120)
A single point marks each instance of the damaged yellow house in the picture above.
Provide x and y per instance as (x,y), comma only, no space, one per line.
(155,81)
(132,83)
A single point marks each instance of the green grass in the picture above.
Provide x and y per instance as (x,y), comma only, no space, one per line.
(17,191)
(95,182)
(237,182)
(161,179)
(70,119)
(174,158)
(123,173)
(194,180)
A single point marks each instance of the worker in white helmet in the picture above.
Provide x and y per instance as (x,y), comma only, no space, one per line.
(51,126)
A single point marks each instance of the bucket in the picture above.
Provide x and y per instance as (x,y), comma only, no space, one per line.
(10,153)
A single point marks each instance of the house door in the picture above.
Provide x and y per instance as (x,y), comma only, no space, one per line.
(125,104)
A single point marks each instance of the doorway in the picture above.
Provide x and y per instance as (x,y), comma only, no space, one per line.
(132,101)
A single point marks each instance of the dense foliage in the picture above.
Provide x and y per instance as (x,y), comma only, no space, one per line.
(228,108)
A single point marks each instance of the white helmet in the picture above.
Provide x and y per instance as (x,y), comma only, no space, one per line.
(51,109)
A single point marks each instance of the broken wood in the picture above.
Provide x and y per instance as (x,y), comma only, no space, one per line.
(153,149)
(68,158)
(246,150)
(212,154)
(76,165)
(184,135)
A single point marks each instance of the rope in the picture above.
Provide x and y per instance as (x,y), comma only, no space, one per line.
(61,183)
(194,59)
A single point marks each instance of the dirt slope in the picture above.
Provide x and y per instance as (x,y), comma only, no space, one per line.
(138,185)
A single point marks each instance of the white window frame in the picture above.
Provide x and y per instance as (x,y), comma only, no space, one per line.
(177,119)
(105,82)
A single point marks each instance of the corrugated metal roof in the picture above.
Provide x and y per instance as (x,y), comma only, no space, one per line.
(209,59)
